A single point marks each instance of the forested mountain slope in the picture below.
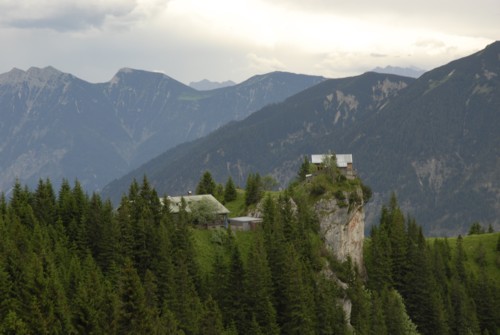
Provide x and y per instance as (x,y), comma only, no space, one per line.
(71,264)
(273,140)
(58,126)
(434,141)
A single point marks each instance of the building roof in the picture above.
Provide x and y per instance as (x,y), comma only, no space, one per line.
(342,159)
(175,202)
(245,219)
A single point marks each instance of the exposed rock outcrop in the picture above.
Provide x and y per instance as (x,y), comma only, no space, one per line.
(343,230)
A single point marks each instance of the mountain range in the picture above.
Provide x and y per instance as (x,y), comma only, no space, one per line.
(55,125)
(207,85)
(434,141)
(411,71)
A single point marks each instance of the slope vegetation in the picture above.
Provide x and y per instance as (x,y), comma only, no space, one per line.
(433,140)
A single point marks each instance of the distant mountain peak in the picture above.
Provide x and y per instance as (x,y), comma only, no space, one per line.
(35,76)
(206,85)
(13,75)
(125,70)
(277,76)
(140,79)
(411,71)
(48,69)
(125,73)
(129,71)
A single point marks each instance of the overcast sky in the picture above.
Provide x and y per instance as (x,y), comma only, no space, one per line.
(234,39)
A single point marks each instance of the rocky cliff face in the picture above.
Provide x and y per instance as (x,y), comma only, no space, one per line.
(343,230)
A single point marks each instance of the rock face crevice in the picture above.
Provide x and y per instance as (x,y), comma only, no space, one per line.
(342,230)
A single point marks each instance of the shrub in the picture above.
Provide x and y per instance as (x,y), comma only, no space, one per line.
(317,188)
(339,195)
(367,192)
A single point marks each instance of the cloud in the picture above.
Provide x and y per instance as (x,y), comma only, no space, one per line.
(234,39)
(75,15)
(479,18)
(377,55)
(264,64)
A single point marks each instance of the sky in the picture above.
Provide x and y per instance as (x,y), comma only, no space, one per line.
(220,40)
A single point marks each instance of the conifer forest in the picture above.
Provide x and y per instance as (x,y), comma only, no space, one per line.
(72,263)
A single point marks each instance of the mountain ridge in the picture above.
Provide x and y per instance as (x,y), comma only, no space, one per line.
(264,124)
(55,125)
(207,85)
(432,140)
(412,71)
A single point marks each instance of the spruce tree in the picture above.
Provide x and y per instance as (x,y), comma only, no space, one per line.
(81,202)
(305,169)
(230,190)
(420,291)
(20,205)
(218,277)
(258,287)
(330,318)
(66,206)
(151,291)
(6,298)
(186,305)
(133,316)
(394,225)
(487,300)
(490,229)
(253,190)
(234,307)
(168,323)
(288,220)
(94,225)
(206,185)
(460,258)
(163,267)
(3,205)
(211,320)
(297,317)
(378,260)
(396,319)
(255,327)
(13,324)
(44,203)
(377,320)
(463,319)
(88,303)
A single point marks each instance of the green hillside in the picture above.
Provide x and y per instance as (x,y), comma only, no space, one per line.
(207,243)
(481,254)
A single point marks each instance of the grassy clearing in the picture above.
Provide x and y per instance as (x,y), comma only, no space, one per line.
(237,207)
(208,242)
(480,251)
(205,248)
